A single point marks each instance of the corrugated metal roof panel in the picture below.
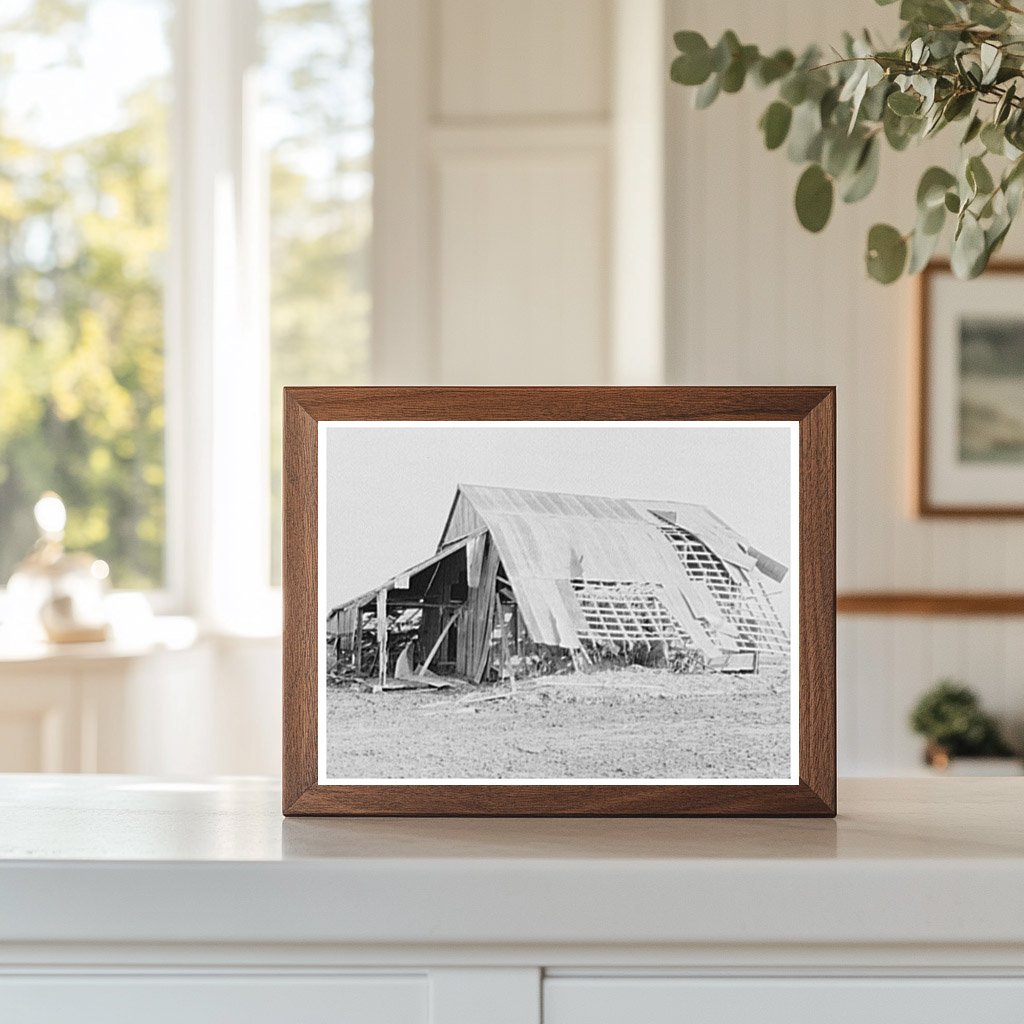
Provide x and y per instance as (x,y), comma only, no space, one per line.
(578,537)
(547,539)
(705,525)
(506,499)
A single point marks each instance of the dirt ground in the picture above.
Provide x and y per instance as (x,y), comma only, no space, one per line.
(632,723)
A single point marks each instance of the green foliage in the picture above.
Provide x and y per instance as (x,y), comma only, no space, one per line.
(775,124)
(949,716)
(82,233)
(82,248)
(956,60)
(320,204)
(814,194)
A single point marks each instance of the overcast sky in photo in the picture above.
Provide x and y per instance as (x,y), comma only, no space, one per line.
(389,488)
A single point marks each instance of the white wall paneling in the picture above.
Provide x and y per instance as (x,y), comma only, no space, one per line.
(638,182)
(513,168)
(751,298)
(403,349)
(522,282)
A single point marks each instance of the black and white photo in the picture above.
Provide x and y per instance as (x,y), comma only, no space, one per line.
(558,602)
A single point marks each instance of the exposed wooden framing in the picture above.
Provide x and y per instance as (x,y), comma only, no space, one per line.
(357,642)
(382,635)
(475,638)
(505,656)
(440,639)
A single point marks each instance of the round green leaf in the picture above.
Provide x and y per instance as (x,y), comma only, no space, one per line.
(865,173)
(887,253)
(903,103)
(968,256)
(805,133)
(993,138)
(958,106)
(707,93)
(840,152)
(987,15)
(952,202)
(735,74)
(725,49)
(770,69)
(775,123)
(931,221)
(814,195)
(794,89)
(899,130)
(932,189)
(978,176)
(693,65)
(922,248)
(689,42)
(1005,105)
(973,130)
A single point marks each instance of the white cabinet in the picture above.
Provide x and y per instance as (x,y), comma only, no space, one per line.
(134,900)
(216,1000)
(828,1000)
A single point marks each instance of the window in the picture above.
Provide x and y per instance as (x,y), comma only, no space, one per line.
(185,222)
(317,117)
(83,235)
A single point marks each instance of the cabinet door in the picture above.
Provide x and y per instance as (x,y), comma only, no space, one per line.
(783,1000)
(202,999)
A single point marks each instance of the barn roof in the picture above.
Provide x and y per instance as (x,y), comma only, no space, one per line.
(547,539)
(586,511)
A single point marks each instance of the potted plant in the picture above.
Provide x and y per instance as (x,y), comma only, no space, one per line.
(956,62)
(950,718)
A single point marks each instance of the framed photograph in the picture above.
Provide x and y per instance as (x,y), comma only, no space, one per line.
(559,601)
(970,450)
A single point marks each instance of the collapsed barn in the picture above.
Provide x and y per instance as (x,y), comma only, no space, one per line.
(524,582)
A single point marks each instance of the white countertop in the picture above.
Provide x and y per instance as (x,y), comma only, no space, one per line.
(122,859)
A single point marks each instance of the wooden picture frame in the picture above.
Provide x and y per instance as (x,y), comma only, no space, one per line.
(937,482)
(810,791)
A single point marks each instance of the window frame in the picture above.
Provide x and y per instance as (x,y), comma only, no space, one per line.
(217,351)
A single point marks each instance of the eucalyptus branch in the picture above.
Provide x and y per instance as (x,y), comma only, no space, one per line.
(954,60)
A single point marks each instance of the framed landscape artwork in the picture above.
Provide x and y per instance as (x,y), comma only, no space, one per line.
(559,601)
(970,452)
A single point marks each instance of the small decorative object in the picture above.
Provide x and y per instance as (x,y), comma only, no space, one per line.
(950,718)
(971,393)
(957,62)
(58,594)
(559,601)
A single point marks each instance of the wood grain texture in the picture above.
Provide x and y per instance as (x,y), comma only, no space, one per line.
(812,407)
(924,505)
(925,603)
(299,596)
(817,567)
